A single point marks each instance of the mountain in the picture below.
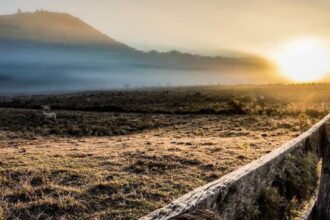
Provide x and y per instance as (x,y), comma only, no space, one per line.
(50,27)
(48,51)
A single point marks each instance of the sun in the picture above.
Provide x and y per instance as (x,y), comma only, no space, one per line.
(303,60)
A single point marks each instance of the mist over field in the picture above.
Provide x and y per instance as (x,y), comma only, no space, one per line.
(66,69)
(70,55)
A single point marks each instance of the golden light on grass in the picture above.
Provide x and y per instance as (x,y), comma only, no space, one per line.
(304,60)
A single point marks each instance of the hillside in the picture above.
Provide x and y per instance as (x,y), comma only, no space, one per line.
(51,27)
(49,51)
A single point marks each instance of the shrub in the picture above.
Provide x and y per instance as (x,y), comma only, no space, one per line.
(304,120)
(283,198)
(315,113)
(273,205)
(300,178)
(236,107)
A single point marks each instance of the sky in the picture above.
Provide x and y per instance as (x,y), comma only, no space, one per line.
(208,27)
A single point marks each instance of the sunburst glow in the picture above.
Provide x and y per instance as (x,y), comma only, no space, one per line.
(304,60)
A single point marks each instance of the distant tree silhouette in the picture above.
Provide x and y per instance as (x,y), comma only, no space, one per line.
(19,11)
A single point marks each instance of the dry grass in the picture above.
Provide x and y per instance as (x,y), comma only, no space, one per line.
(279,99)
(31,123)
(126,177)
(123,165)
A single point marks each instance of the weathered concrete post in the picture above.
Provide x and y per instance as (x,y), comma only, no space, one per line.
(321,210)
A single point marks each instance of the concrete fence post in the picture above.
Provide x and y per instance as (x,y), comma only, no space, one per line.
(321,210)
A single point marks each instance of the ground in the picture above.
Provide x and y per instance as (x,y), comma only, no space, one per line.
(122,164)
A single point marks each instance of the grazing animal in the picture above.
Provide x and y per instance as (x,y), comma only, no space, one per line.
(323,106)
(45,107)
(50,115)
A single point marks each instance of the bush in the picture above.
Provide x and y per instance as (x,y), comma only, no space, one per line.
(304,120)
(314,113)
(236,107)
(273,205)
(283,198)
(300,179)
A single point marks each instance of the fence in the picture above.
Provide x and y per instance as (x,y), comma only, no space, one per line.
(230,196)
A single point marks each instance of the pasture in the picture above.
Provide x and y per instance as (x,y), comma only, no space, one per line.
(121,155)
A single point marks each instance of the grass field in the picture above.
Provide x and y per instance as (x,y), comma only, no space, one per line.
(121,155)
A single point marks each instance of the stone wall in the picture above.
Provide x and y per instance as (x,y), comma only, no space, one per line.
(230,196)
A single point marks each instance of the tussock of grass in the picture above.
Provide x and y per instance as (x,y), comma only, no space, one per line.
(2,216)
(198,215)
(102,188)
(49,208)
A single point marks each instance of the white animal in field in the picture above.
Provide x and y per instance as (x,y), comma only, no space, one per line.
(50,115)
(323,106)
(45,107)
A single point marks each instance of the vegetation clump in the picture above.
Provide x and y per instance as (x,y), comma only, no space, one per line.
(283,199)
(2,217)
